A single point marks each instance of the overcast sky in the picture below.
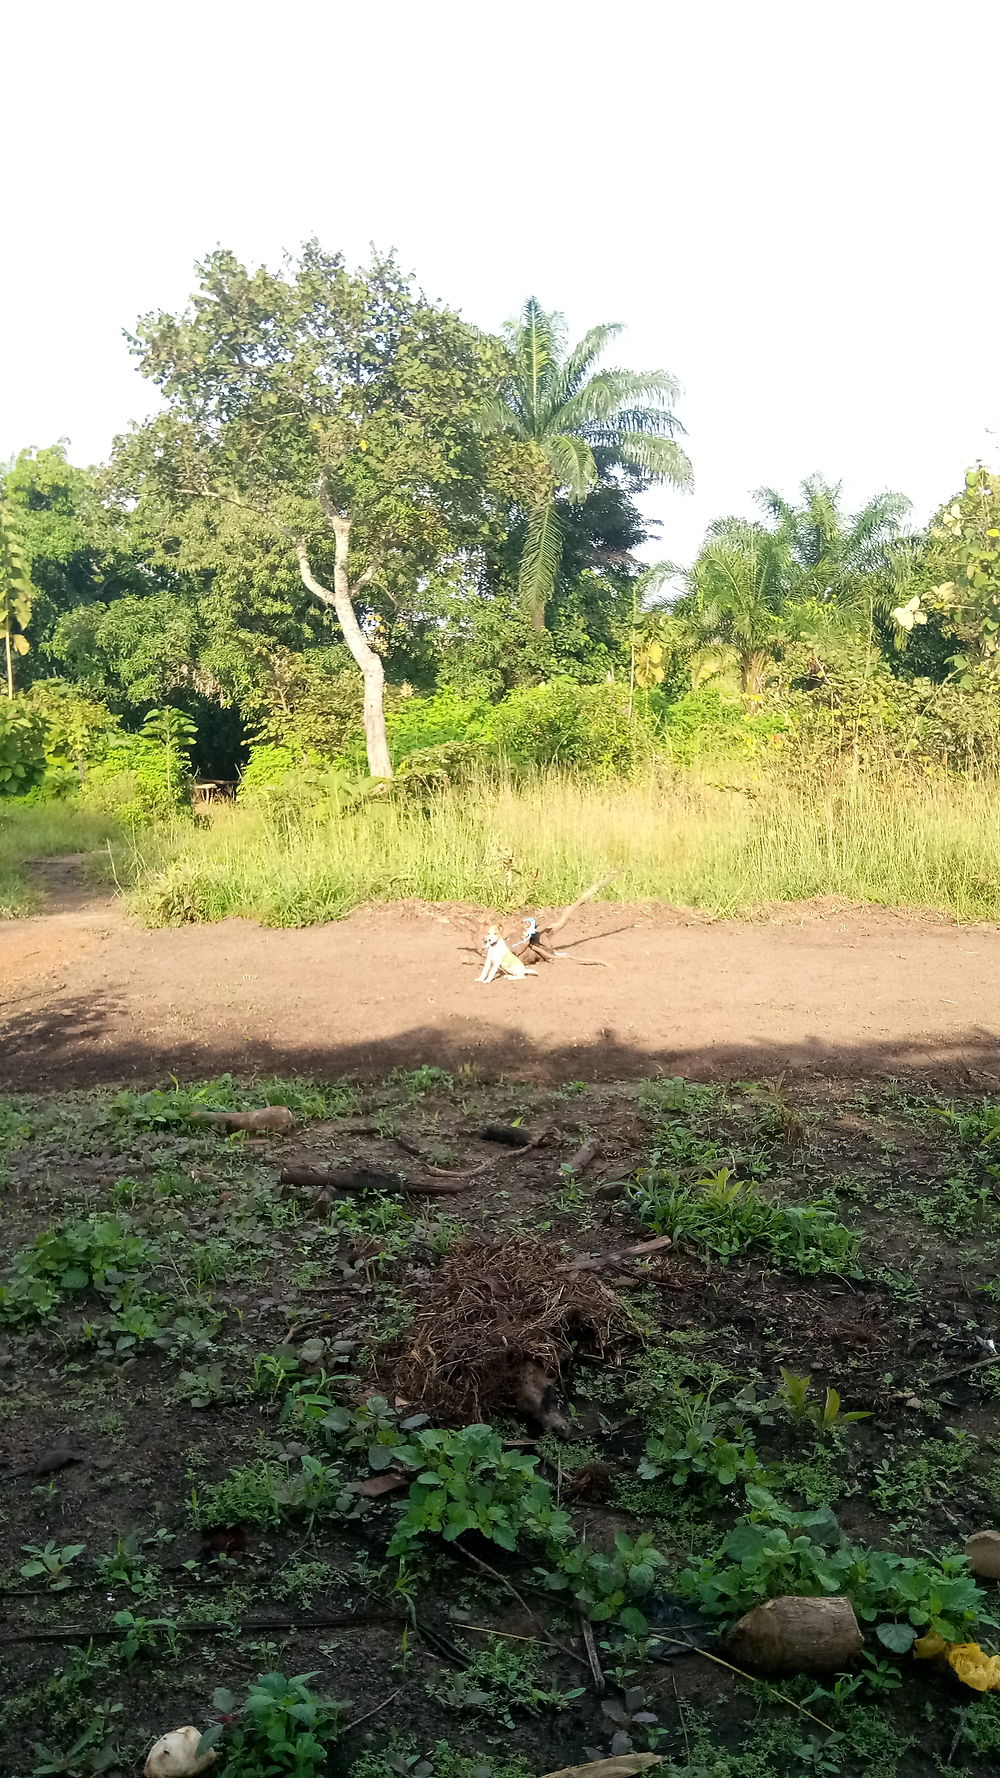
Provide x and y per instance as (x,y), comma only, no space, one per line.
(792,206)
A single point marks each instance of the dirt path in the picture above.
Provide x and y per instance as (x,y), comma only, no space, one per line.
(87,995)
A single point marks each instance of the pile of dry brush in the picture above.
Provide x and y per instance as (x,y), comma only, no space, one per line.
(497,1326)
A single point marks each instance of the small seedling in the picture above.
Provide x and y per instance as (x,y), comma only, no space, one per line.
(51,1562)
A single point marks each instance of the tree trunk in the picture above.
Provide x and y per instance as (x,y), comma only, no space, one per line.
(341,599)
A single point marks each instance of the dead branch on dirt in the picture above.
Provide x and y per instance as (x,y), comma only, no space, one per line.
(595,1262)
(222,1626)
(494,1160)
(273,1118)
(496,1313)
(334,1182)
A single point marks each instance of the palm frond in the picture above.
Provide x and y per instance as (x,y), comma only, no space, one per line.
(537,342)
(611,393)
(653,579)
(499,418)
(572,463)
(540,558)
(573,373)
(660,459)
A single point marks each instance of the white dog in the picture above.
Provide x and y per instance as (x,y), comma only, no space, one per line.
(501,959)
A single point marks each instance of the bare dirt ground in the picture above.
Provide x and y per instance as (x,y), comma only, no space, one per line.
(87,995)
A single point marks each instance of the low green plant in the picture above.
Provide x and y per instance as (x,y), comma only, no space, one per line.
(724,1217)
(468,1482)
(282,1730)
(50,1562)
(99,1254)
(774,1551)
(795,1396)
(145,1635)
(608,1584)
(129,1567)
(909,1484)
(267,1494)
(499,1680)
(700,1444)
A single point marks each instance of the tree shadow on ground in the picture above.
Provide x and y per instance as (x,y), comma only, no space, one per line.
(79,1042)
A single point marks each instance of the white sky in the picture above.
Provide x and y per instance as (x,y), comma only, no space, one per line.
(791,203)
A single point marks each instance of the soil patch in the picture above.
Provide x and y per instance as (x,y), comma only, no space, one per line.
(87,995)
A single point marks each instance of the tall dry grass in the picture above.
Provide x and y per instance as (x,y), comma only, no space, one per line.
(501,846)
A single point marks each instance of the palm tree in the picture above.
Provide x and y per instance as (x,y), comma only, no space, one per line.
(584,425)
(739,589)
(856,560)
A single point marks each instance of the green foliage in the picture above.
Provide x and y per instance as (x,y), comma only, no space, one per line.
(705,724)
(282,1730)
(795,1395)
(573,424)
(50,1562)
(22,747)
(498,1680)
(775,1551)
(606,1584)
(99,1254)
(16,591)
(697,1450)
(723,1217)
(964,560)
(269,1495)
(468,1482)
(584,728)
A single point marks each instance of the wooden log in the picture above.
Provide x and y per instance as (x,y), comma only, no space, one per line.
(334,1182)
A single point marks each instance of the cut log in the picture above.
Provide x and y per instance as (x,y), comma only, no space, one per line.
(585,1156)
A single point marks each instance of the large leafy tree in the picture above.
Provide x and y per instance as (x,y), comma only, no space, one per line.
(582,425)
(334,408)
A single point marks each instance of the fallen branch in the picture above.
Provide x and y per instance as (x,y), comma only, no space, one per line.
(494,1161)
(494,1574)
(375,1709)
(979,1364)
(589,1263)
(600,1683)
(658,1636)
(218,1627)
(338,1181)
(584,1157)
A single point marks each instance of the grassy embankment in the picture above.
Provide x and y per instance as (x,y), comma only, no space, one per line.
(693,843)
(724,850)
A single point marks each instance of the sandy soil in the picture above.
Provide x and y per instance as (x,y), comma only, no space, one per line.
(87,995)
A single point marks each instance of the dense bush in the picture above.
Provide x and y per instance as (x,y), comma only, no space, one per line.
(137,782)
(22,747)
(585,728)
(706,724)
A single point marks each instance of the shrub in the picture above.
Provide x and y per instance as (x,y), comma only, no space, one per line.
(272,763)
(138,782)
(22,747)
(585,728)
(704,724)
(78,729)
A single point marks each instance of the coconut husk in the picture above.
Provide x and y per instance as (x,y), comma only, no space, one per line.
(797,1635)
(498,1313)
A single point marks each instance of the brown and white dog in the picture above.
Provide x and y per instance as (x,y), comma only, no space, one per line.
(501,960)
